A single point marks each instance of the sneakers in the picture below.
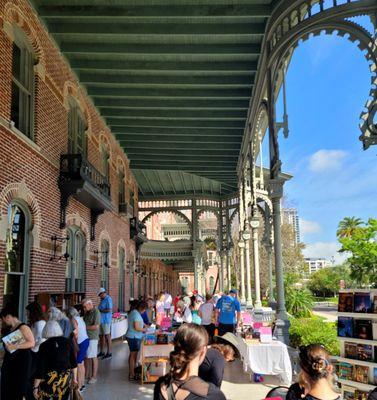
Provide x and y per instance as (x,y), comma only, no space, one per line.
(92,380)
(82,389)
(107,356)
(100,354)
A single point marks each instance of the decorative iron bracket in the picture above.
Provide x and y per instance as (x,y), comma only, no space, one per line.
(94,214)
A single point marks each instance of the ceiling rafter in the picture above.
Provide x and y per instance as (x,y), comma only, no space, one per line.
(160,182)
(171,181)
(148,182)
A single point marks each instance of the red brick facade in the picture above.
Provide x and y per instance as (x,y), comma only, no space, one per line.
(29,169)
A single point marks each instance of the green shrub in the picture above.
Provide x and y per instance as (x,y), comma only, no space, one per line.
(304,331)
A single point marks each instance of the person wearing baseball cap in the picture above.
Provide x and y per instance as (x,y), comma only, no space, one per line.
(106,309)
(228,312)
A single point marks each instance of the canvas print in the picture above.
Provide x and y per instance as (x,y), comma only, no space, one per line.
(361,373)
(363,329)
(345,303)
(362,302)
(374,305)
(361,395)
(345,327)
(365,352)
(350,350)
(345,371)
(348,392)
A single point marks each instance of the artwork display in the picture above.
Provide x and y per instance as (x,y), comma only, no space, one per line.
(345,327)
(361,374)
(364,352)
(363,329)
(345,302)
(362,303)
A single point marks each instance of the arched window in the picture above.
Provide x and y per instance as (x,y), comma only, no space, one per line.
(211,284)
(75,271)
(105,265)
(132,286)
(76,129)
(22,108)
(121,258)
(121,193)
(17,256)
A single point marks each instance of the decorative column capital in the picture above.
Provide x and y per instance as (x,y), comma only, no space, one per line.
(246,235)
(276,188)
(241,244)
(254,223)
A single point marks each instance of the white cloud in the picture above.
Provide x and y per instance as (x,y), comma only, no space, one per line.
(325,250)
(326,160)
(307,227)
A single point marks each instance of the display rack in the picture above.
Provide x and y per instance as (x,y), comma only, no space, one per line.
(62,300)
(157,354)
(344,360)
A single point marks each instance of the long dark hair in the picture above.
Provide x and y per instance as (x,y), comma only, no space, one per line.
(188,342)
(35,312)
(314,360)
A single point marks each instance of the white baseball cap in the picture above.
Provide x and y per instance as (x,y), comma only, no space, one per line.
(101,290)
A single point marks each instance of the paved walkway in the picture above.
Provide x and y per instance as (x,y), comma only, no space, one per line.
(113,381)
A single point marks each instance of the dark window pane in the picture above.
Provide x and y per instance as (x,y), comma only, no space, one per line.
(15,241)
(15,108)
(16,67)
(12,289)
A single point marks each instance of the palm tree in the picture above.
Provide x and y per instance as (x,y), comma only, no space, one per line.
(348,226)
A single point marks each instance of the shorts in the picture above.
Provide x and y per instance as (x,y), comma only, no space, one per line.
(134,344)
(225,328)
(105,329)
(92,349)
(83,348)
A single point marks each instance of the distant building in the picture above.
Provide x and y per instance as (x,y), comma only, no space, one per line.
(315,264)
(290,216)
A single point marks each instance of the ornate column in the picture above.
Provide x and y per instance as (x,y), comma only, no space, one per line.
(268,248)
(241,245)
(246,237)
(203,278)
(254,223)
(229,278)
(221,272)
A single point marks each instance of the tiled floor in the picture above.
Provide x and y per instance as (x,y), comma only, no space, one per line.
(113,381)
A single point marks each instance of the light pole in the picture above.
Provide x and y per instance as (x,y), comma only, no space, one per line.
(246,237)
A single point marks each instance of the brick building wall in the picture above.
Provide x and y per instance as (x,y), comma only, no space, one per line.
(29,169)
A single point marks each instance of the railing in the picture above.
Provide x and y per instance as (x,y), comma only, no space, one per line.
(77,167)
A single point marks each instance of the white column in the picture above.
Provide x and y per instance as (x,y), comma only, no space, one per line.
(196,274)
(241,245)
(254,225)
(228,270)
(246,237)
(221,272)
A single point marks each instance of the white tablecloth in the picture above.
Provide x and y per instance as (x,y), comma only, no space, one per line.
(119,328)
(267,359)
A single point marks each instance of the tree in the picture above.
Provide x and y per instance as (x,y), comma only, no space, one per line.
(293,259)
(348,226)
(326,281)
(362,247)
(299,302)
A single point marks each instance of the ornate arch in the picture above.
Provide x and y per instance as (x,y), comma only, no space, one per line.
(19,190)
(104,235)
(212,210)
(14,16)
(77,220)
(330,23)
(169,210)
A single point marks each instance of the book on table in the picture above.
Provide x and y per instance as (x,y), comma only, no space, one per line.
(15,337)
(361,374)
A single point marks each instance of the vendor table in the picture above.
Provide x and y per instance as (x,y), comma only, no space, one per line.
(266,359)
(119,328)
(154,353)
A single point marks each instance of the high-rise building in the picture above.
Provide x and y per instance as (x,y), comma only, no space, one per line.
(315,264)
(290,216)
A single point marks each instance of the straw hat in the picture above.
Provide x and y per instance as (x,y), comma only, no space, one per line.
(228,338)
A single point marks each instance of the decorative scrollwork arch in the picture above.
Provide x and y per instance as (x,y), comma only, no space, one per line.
(169,210)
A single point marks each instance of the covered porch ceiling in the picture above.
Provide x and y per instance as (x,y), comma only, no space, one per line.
(172,78)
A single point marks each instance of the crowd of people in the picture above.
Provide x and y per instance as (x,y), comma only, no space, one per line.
(63,349)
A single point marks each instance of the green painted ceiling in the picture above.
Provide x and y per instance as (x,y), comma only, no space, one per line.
(172,79)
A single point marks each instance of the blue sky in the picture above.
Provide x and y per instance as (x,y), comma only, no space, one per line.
(328,82)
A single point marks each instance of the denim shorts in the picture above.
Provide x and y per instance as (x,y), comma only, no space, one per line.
(134,344)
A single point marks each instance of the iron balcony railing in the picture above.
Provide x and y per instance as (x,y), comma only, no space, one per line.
(75,167)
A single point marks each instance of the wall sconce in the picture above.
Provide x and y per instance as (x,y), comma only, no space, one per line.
(105,255)
(54,247)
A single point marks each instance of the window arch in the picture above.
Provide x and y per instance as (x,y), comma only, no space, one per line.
(17,256)
(23,88)
(75,271)
(121,260)
(77,140)
(105,264)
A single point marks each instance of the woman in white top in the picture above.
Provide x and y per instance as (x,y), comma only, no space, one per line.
(36,322)
(206,311)
(81,338)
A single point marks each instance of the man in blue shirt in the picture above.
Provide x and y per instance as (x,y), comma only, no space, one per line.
(228,312)
(106,309)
